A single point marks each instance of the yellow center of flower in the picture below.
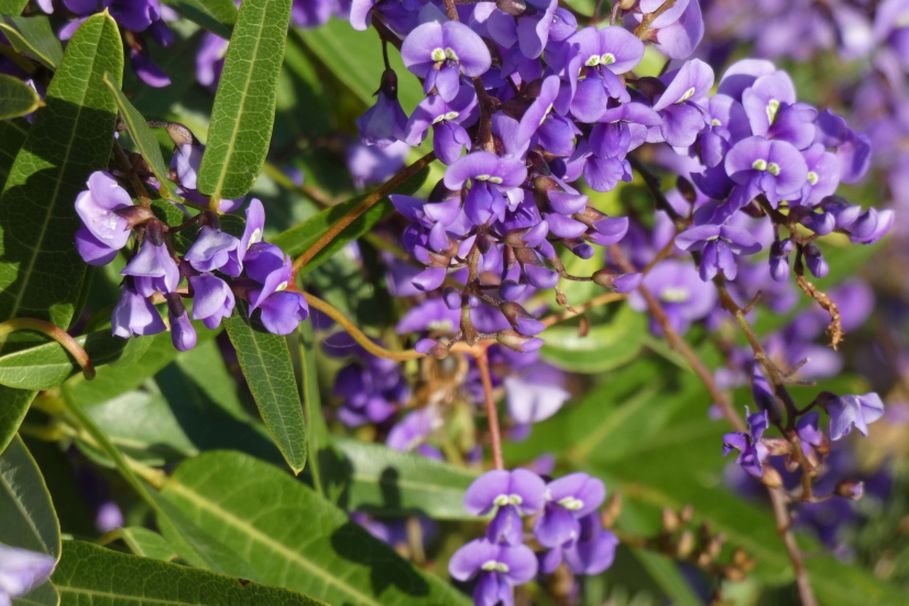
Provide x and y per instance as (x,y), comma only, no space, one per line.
(494,566)
(773,168)
(773,106)
(812,177)
(571,503)
(674,294)
(688,95)
(437,55)
(759,164)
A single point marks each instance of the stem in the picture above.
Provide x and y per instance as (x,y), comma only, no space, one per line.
(643,29)
(368,202)
(602,299)
(358,335)
(56,333)
(491,412)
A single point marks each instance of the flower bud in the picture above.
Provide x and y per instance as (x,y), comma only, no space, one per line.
(771,477)
(814,258)
(851,489)
(182,333)
(518,342)
(685,546)
(515,8)
(520,320)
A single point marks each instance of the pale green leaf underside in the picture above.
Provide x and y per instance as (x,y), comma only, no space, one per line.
(244,111)
(34,38)
(16,98)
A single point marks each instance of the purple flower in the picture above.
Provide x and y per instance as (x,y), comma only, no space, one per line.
(719,246)
(153,266)
(213,300)
(185,163)
(677,34)
(752,453)
(775,168)
(568,499)
(372,390)
(535,393)
(22,570)
(212,251)
(440,52)
(385,122)
(270,269)
(182,333)
(369,164)
(499,568)
(681,104)
(684,296)
(104,231)
(511,494)
(414,429)
(492,179)
(852,410)
(134,315)
(590,554)
(448,121)
(210,59)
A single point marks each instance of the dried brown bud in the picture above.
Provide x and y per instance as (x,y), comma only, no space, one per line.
(179,134)
(685,547)
(771,478)
(851,489)
(515,8)
(670,520)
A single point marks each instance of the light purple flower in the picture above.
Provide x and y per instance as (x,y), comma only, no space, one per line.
(213,300)
(492,178)
(385,122)
(511,494)
(568,499)
(681,104)
(775,168)
(22,570)
(535,393)
(592,552)
(212,251)
(499,568)
(153,266)
(853,410)
(440,52)
(270,269)
(719,245)
(134,315)
(104,231)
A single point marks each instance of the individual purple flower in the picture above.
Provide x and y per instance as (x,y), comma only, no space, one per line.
(511,494)
(601,55)
(153,267)
(134,315)
(440,52)
(590,554)
(681,104)
(677,31)
(369,164)
(568,499)
(212,251)
(182,333)
(213,299)
(492,179)
(447,120)
(270,269)
(499,568)
(185,164)
(775,168)
(104,231)
(719,245)
(853,410)
(385,122)
(533,26)
(684,296)
(752,452)
(210,59)
(22,570)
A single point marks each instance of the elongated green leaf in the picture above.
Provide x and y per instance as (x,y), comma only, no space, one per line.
(12,7)
(217,16)
(89,575)
(244,111)
(355,58)
(14,404)
(317,437)
(300,237)
(16,98)
(294,538)
(142,136)
(27,516)
(382,481)
(604,347)
(44,366)
(42,595)
(40,275)
(147,543)
(33,37)
(267,366)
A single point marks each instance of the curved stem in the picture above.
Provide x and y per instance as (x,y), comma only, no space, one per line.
(368,202)
(358,335)
(56,333)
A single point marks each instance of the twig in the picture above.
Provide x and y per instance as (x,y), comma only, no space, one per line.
(491,412)
(56,333)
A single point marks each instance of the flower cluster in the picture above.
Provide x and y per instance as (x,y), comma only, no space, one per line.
(213,270)
(566,524)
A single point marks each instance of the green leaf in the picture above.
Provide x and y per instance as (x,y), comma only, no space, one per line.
(33,37)
(217,16)
(266,364)
(355,58)
(89,575)
(16,98)
(42,595)
(604,347)
(146,543)
(317,435)
(14,404)
(387,482)
(41,275)
(46,365)
(244,111)
(142,136)
(294,538)
(12,133)
(27,516)
(12,7)
(297,239)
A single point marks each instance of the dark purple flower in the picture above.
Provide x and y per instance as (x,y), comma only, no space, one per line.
(22,570)
(492,179)
(775,168)
(511,494)
(752,453)
(499,568)
(134,315)
(385,122)
(568,499)
(440,52)
(447,120)
(852,410)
